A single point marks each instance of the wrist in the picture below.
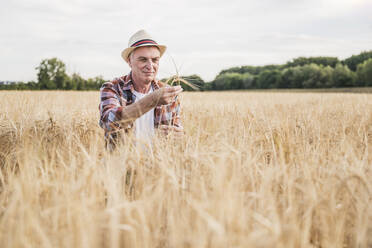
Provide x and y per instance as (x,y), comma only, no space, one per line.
(154,98)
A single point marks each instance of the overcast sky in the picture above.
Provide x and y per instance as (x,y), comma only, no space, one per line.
(202,36)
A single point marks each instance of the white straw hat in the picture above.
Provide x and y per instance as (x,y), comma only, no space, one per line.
(140,39)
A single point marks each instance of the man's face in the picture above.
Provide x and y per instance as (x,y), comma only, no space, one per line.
(144,62)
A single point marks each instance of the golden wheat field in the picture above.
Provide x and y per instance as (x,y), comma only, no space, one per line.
(253,170)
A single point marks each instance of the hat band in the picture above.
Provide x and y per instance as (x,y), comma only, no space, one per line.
(141,42)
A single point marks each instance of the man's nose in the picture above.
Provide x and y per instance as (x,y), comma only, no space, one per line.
(149,64)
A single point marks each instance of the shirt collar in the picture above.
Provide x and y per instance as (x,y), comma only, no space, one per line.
(128,83)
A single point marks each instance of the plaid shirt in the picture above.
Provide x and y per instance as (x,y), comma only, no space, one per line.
(117,94)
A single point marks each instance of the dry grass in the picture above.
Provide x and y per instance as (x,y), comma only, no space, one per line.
(255,170)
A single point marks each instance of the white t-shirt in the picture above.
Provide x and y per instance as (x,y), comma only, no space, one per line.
(144,125)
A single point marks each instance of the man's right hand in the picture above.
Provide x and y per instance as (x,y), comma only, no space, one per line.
(166,95)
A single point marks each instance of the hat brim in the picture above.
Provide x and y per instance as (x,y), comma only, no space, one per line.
(126,52)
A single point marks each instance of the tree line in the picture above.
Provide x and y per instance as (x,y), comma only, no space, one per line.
(312,72)
(51,75)
(302,72)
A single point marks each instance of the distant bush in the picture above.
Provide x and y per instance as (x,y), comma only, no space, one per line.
(302,72)
(364,73)
(353,61)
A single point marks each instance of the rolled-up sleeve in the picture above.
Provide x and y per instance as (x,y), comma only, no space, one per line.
(110,107)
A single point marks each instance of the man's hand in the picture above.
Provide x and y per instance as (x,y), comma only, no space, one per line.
(166,95)
(175,131)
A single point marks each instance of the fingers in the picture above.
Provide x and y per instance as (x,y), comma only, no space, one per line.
(178,91)
(173,88)
(172,91)
(167,95)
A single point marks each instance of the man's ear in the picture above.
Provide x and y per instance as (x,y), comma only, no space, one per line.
(129,59)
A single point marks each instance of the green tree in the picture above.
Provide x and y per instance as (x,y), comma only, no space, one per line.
(208,86)
(342,76)
(292,78)
(94,83)
(269,79)
(247,81)
(70,84)
(223,81)
(235,80)
(78,82)
(324,61)
(253,70)
(307,76)
(33,85)
(316,76)
(231,80)
(51,74)
(311,75)
(353,61)
(364,73)
(326,77)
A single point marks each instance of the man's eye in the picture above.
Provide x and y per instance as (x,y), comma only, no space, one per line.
(155,60)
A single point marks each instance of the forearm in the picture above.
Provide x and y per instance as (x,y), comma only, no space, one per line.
(131,112)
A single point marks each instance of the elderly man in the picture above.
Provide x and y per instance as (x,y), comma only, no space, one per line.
(137,101)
